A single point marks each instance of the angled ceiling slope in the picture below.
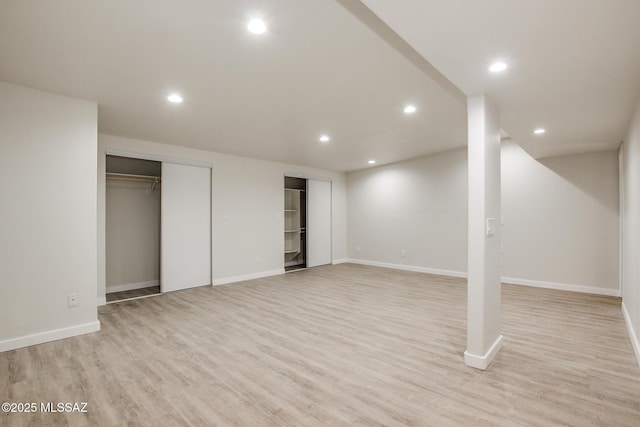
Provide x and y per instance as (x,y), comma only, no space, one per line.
(573,64)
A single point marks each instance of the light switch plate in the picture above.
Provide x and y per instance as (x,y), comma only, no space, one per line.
(491,226)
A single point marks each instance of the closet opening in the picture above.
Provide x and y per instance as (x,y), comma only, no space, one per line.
(133,206)
(295,223)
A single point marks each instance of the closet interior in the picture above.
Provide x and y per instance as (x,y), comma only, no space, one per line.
(133,211)
(295,223)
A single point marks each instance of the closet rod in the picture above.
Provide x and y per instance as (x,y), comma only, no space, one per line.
(135,178)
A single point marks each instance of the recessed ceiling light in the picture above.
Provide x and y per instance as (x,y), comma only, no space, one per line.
(497,67)
(410,109)
(175,98)
(539,131)
(372,162)
(325,138)
(257,26)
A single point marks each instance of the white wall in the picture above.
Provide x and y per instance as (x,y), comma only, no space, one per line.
(561,217)
(132,234)
(418,206)
(630,194)
(247,208)
(47,216)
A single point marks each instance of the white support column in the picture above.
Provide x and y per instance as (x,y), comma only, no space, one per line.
(484,245)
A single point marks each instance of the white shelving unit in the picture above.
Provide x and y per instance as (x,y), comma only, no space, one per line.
(291,223)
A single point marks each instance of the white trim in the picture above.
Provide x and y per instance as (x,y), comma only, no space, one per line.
(155,157)
(508,280)
(140,297)
(131,286)
(621,204)
(408,268)
(633,336)
(340,261)
(102,301)
(562,287)
(244,277)
(53,335)
(483,362)
(305,176)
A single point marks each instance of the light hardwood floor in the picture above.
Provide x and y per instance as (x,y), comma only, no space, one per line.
(334,346)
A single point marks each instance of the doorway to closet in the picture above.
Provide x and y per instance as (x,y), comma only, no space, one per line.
(158,226)
(295,223)
(307,223)
(133,191)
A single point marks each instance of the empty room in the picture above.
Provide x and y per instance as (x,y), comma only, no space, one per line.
(320,213)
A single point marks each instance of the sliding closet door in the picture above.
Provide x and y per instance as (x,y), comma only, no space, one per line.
(185,249)
(318,223)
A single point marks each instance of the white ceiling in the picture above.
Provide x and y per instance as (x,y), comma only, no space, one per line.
(574,65)
(319,69)
(333,67)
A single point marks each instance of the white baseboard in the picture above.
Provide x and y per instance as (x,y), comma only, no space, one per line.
(340,261)
(510,280)
(131,286)
(633,335)
(102,301)
(54,335)
(242,278)
(562,287)
(483,361)
(408,268)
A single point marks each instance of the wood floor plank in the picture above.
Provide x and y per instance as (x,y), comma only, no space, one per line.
(339,345)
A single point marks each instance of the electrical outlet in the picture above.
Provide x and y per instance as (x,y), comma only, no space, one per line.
(72,300)
(258,259)
(357,249)
(403,253)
